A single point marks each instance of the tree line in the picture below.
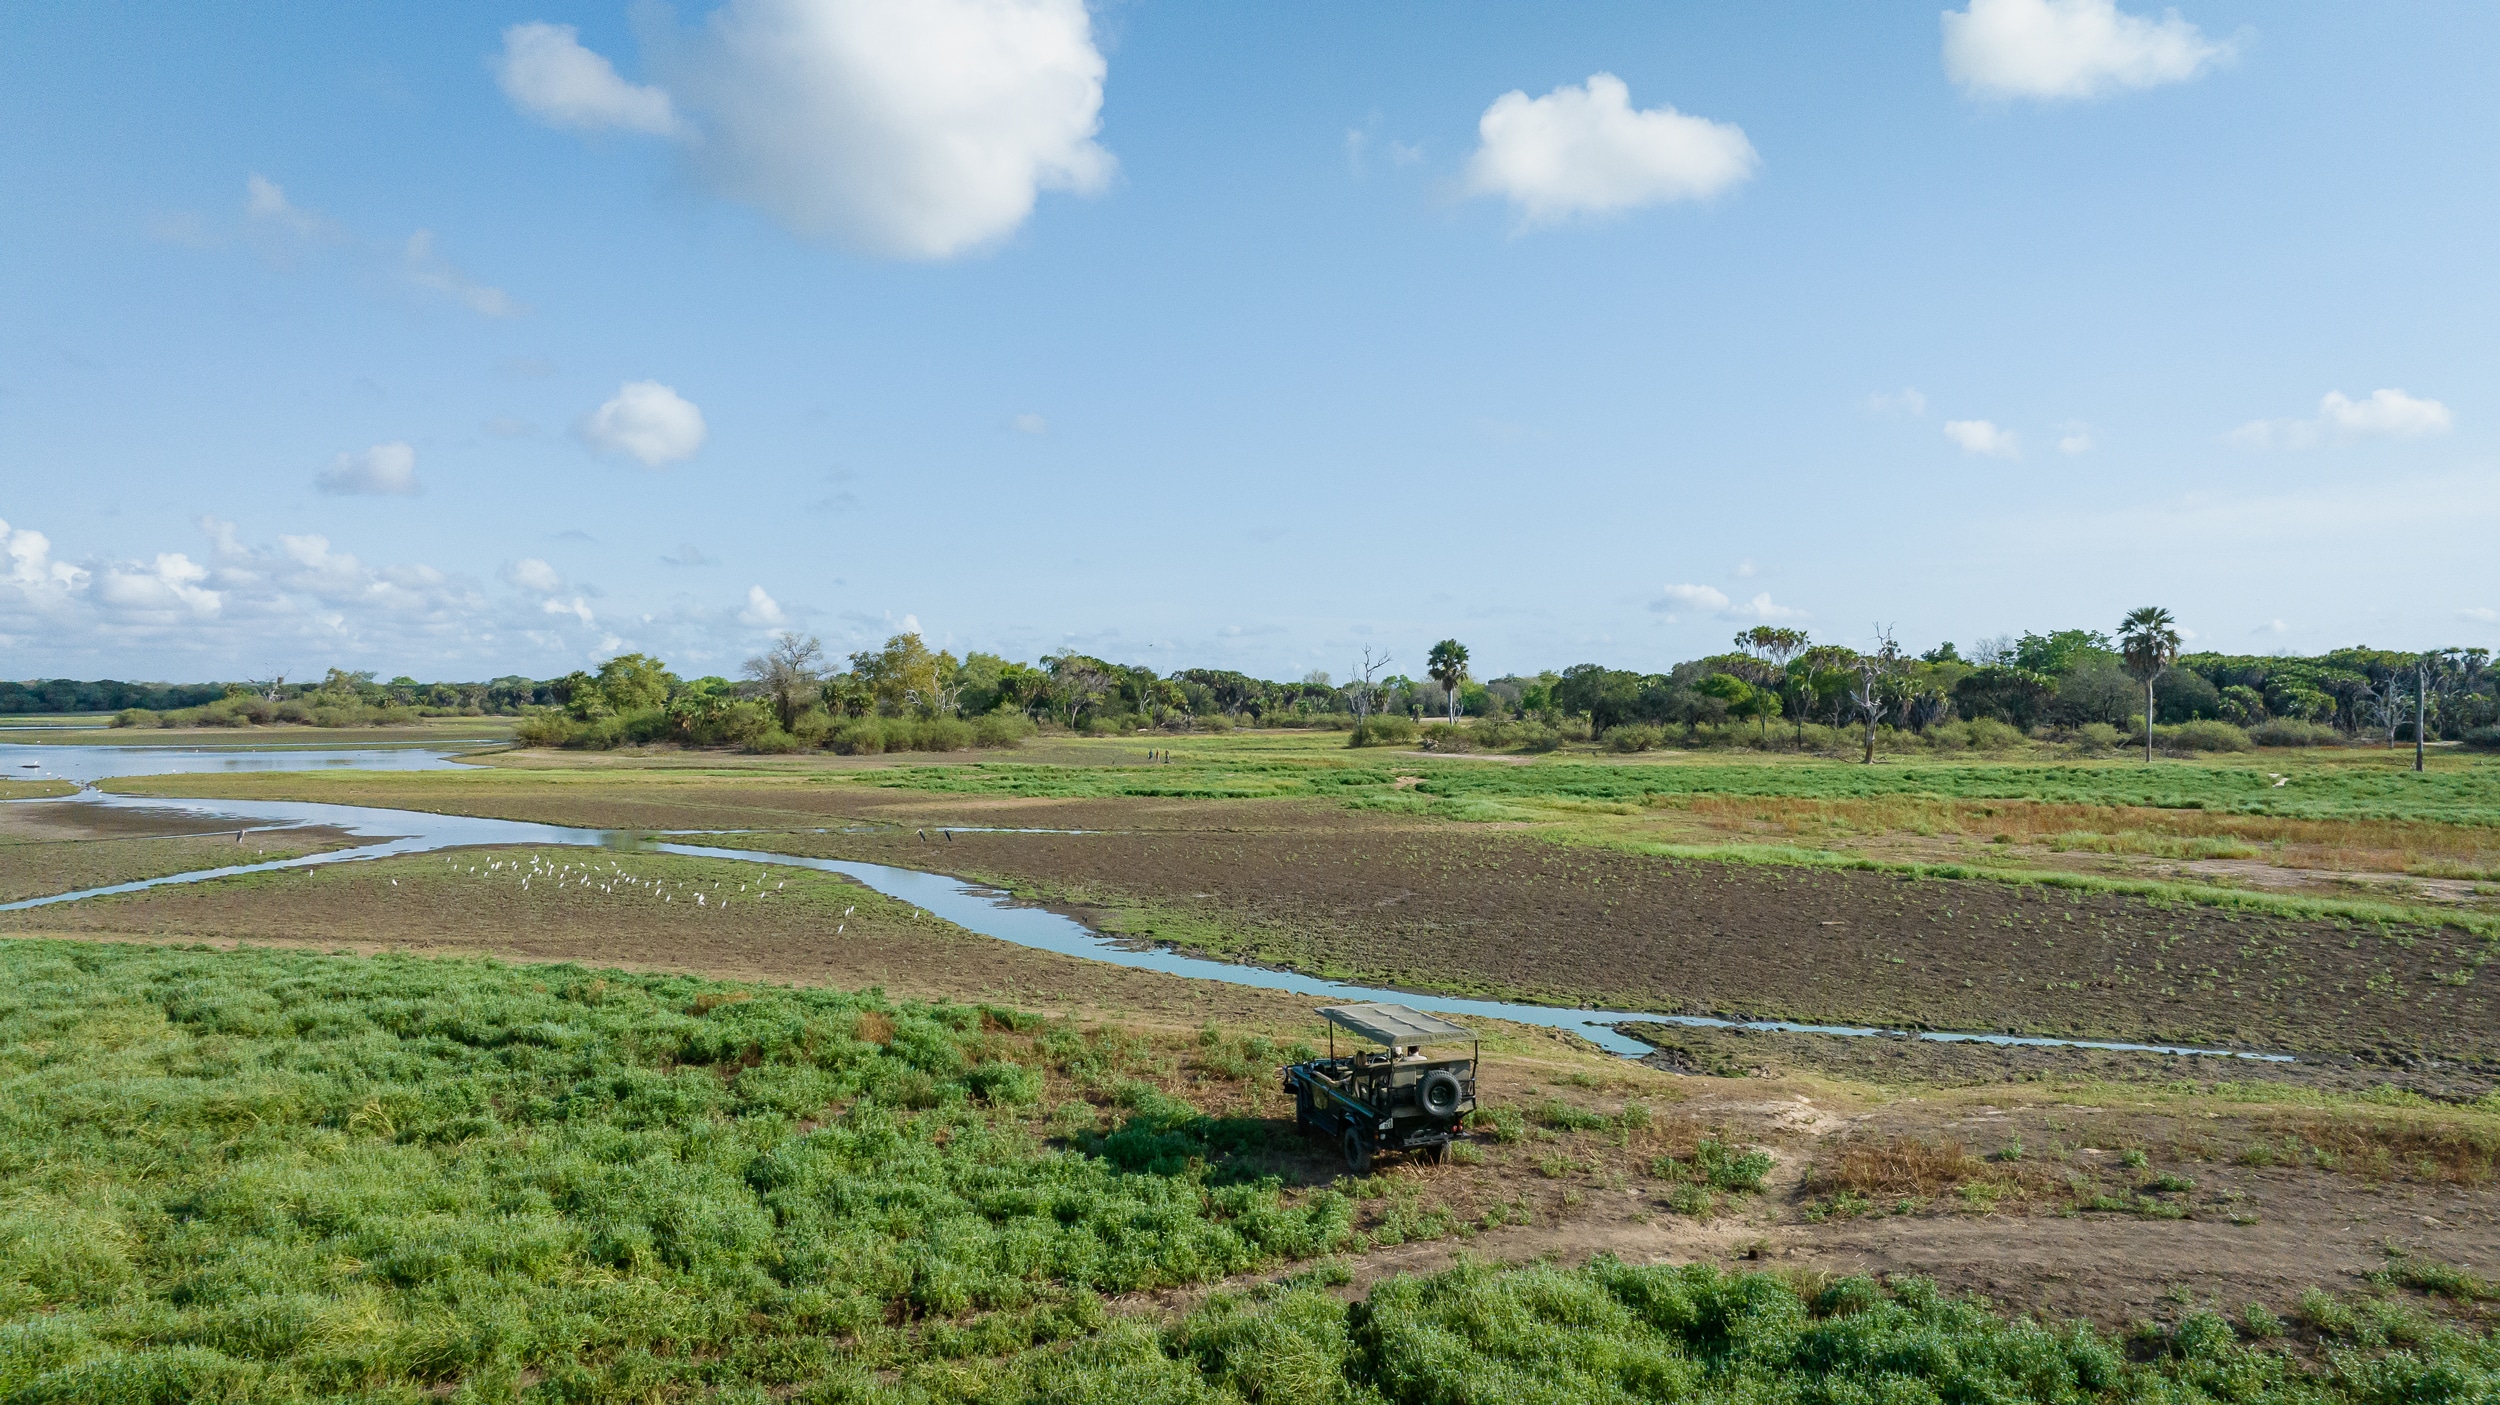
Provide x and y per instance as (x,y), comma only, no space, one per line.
(2084,683)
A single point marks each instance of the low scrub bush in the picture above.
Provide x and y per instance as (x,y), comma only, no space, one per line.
(1386,729)
(1639,737)
(2093,738)
(1900,1166)
(2202,736)
(2481,738)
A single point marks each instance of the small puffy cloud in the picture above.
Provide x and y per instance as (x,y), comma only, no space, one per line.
(1905,401)
(2386,414)
(2074,439)
(1029,424)
(2052,49)
(1678,601)
(2272,627)
(385,470)
(688,554)
(762,611)
(915,129)
(1744,570)
(1762,608)
(1983,437)
(2476,614)
(575,608)
(549,75)
(530,573)
(646,421)
(31,567)
(423,267)
(1586,151)
(1696,599)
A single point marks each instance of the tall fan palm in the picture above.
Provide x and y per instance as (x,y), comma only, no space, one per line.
(1447,663)
(2148,640)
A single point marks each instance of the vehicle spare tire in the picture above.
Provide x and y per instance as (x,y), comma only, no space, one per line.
(1441,1093)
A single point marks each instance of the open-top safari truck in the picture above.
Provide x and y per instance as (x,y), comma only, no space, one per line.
(1393,1099)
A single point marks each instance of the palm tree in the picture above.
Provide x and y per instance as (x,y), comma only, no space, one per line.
(1447,663)
(2148,640)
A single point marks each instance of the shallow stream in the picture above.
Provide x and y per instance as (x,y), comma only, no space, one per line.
(968,905)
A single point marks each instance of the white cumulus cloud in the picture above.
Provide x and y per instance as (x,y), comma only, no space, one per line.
(1678,601)
(2386,414)
(530,573)
(2075,439)
(168,586)
(1983,437)
(1697,598)
(1586,150)
(2476,614)
(1029,423)
(915,129)
(549,75)
(384,470)
(762,611)
(2070,48)
(646,421)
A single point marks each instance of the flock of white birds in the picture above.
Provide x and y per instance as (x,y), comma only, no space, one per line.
(615,881)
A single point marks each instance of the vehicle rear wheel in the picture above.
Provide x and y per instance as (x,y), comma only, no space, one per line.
(1358,1152)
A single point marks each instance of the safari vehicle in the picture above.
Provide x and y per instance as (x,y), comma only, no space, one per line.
(1394,1099)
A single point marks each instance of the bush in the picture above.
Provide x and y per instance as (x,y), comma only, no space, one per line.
(1441,736)
(1640,737)
(547,727)
(1000,729)
(2202,736)
(2291,731)
(1387,729)
(1210,722)
(2094,738)
(2481,738)
(1988,734)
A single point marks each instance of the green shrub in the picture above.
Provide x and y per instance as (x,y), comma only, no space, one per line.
(2480,738)
(2201,736)
(2094,738)
(1989,734)
(2290,731)
(1384,729)
(1639,737)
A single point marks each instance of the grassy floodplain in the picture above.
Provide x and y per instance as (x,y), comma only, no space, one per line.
(256,1173)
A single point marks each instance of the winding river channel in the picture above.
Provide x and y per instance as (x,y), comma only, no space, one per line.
(386,833)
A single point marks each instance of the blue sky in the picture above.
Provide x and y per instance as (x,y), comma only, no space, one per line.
(460,340)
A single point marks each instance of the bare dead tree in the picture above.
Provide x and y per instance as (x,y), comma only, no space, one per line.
(1875,675)
(1361,690)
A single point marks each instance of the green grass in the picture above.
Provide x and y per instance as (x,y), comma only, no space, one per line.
(2458,792)
(274,1175)
(1611,1334)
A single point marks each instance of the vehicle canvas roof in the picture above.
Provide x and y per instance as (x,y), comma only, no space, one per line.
(1394,1024)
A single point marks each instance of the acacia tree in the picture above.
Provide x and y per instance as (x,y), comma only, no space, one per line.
(2148,643)
(789,675)
(1447,663)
